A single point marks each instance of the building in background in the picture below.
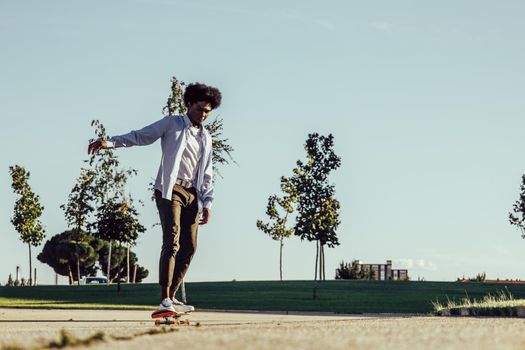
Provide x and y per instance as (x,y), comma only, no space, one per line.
(382,272)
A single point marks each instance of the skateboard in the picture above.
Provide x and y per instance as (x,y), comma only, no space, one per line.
(169,318)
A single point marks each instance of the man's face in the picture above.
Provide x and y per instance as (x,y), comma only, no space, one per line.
(198,111)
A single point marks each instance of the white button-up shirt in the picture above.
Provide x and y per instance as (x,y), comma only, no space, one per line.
(173,133)
(189,163)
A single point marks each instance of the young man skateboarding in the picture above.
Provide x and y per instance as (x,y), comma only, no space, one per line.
(184,184)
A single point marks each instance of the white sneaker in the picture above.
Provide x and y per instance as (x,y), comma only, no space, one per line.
(181,307)
(166,306)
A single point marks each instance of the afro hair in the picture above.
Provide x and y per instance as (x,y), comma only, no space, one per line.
(197,92)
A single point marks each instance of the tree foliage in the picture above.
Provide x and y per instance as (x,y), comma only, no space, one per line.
(353,271)
(63,251)
(27,211)
(109,178)
(118,220)
(116,215)
(317,208)
(278,211)
(276,228)
(60,254)
(517,216)
(80,201)
(10,281)
(77,211)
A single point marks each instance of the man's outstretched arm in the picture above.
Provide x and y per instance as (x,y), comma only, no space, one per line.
(142,137)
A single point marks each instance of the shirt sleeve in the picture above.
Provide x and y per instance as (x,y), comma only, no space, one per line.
(207,184)
(142,137)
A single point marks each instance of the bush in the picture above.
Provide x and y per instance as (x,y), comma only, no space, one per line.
(353,271)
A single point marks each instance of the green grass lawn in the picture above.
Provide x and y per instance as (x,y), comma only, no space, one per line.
(332,296)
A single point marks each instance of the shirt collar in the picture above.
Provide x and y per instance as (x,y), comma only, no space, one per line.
(188,123)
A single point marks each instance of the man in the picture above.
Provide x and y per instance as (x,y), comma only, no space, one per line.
(183,187)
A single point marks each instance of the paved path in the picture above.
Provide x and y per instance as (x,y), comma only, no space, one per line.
(228,330)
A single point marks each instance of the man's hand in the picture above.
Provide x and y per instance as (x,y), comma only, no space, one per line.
(206,214)
(95,146)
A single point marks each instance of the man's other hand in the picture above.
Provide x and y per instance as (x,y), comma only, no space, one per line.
(206,214)
(95,146)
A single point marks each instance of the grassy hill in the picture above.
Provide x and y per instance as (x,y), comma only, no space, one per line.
(332,296)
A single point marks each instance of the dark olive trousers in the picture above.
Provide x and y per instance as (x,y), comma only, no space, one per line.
(179,219)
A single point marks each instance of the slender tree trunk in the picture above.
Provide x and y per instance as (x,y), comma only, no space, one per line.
(78,264)
(118,257)
(320,262)
(324,270)
(134,272)
(109,262)
(324,266)
(316,258)
(281,259)
(322,257)
(69,273)
(30,267)
(128,279)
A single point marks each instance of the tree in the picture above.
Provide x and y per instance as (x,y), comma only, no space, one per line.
(27,212)
(77,210)
(118,263)
(518,218)
(317,209)
(118,221)
(221,150)
(343,272)
(353,271)
(108,185)
(64,253)
(277,228)
(10,281)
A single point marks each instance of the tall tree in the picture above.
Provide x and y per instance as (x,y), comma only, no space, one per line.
(517,216)
(278,211)
(109,181)
(221,149)
(317,208)
(77,210)
(117,220)
(27,212)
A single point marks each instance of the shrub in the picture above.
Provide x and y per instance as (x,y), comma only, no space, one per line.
(10,281)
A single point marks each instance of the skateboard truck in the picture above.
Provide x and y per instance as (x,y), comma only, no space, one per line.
(169,318)
(170,321)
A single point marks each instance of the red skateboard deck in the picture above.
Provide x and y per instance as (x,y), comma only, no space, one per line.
(169,318)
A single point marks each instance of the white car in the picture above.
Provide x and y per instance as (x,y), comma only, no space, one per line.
(94,280)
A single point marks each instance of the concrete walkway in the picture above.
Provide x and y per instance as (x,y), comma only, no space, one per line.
(228,330)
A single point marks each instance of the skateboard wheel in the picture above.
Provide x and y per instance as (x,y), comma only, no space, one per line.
(186,322)
(157,322)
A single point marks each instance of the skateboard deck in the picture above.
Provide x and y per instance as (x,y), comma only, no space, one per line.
(170,318)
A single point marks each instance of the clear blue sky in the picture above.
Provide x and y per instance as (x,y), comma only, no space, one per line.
(425,100)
